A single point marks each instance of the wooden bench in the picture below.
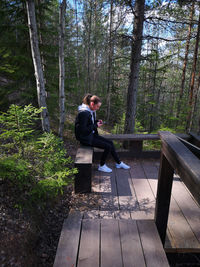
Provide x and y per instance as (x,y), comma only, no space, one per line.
(108,243)
(134,145)
(83,162)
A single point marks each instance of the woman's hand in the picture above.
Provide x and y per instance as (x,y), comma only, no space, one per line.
(99,123)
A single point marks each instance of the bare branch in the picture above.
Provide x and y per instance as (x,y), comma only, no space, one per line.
(187,21)
(164,39)
(154,37)
(129,3)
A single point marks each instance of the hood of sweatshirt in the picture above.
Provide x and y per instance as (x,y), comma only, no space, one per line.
(84,107)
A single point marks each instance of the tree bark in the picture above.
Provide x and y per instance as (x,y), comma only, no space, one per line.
(62,67)
(78,65)
(135,64)
(185,63)
(191,94)
(194,106)
(89,48)
(110,60)
(41,93)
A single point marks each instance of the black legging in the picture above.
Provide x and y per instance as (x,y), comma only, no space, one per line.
(101,142)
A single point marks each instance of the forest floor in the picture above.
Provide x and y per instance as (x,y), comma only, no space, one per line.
(30,240)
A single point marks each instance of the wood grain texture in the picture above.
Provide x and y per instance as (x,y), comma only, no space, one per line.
(183,161)
(90,244)
(110,244)
(68,245)
(84,155)
(151,243)
(131,246)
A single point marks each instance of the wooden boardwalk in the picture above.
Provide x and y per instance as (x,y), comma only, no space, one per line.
(130,194)
(108,243)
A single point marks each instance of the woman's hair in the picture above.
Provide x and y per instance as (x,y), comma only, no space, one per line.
(88,98)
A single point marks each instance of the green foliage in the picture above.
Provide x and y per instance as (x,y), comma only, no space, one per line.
(36,165)
(17,125)
(15,169)
(52,167)
(119,127)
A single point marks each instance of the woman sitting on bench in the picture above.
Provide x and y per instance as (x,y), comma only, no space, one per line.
(86,132)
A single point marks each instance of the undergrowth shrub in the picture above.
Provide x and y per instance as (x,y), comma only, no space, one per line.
(35,164)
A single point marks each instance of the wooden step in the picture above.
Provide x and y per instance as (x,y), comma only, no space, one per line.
(109,242)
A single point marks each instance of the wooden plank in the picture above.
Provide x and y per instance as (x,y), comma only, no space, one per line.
(151,171)
(180,229)
(131,247)
(84,155)
(189,207)
(107,214)
(130,154)
(194,149)
(182,159)
(195,139)
(91,214)
(89,244)
(136,170)
(153,251)
(83,163)
(139,137)
(95,179)
(144,195)
(163,196)
(108,191)
(136,137)
(126,193)
(123,215)
(180,235)
(110,244)
(67,249)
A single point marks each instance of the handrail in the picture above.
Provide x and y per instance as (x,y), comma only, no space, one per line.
(194,149)
(174,156)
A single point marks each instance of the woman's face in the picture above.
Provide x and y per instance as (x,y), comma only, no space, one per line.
(95,107)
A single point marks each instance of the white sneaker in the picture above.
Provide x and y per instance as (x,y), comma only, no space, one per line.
(122,165)
(104,168)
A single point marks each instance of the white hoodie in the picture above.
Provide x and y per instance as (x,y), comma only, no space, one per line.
(83,107)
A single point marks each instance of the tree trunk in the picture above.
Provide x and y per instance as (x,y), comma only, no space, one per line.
(89,49)
(152,112)
(78,67)
(135,64)
(191,95)
(30,4)
(62,67)
(40,28)
(95,57)
(194,106)
(110,60)
(185,64)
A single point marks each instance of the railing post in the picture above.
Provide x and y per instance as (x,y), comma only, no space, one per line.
(164,188)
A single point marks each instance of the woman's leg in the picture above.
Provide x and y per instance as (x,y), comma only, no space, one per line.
(107,145)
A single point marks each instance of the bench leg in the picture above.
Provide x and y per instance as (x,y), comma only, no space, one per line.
(83,178)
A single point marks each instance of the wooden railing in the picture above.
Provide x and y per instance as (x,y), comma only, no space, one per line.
(180,156)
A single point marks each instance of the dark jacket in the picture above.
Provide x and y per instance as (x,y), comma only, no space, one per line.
(85,128)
